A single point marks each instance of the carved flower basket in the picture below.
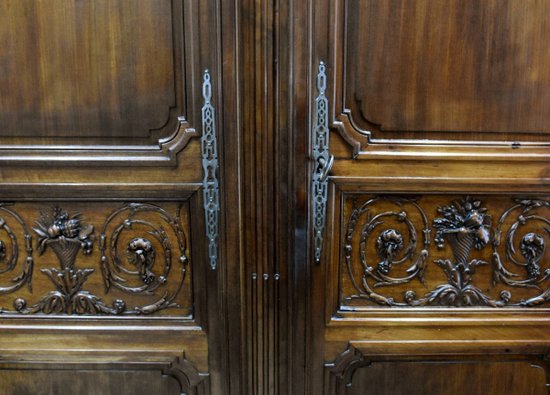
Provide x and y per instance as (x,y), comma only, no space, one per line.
(66,250)
(461,244)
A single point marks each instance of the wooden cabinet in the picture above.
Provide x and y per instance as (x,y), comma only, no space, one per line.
(274,197)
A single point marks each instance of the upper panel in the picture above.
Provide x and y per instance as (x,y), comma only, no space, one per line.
(430,73)
(92,69)
(449,66)
(100,80)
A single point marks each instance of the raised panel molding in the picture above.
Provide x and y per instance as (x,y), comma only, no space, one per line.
(190,380)
(340,373)
(368,132)
(67,140)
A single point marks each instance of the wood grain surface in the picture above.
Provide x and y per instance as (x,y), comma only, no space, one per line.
(91,69)
(450,66)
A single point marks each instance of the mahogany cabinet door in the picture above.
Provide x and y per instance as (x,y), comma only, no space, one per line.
(114,254)
(428,199)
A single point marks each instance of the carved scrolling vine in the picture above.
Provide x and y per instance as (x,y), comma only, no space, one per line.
(517,240)
(135,275)
(130,264)
(10,250)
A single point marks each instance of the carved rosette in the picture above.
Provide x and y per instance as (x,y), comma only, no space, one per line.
(137,256)
(394,236)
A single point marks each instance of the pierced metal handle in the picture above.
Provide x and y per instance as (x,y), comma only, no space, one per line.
(323,162)
(210,185)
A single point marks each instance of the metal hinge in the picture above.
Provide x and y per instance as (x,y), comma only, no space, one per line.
(211,190)
(322,162)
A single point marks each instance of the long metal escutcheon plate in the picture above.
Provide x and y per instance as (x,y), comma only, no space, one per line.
(322,161)
(211,191)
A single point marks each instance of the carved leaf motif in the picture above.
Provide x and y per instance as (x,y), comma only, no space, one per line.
(461,227)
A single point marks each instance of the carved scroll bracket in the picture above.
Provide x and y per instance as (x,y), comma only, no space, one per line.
(211,190)
(322,162)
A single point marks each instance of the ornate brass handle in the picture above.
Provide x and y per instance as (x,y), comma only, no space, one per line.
(323,162)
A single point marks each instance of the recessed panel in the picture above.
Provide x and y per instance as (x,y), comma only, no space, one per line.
(86,382)
(406,378)
(450,66)
(86,68)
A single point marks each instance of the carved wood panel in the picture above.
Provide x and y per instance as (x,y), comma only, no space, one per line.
(446,250)
(81,382)
(130,259)
(103,248)
(75,88)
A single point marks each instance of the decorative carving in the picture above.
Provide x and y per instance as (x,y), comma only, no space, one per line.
(188,377)
(141,255)
(529,214)
(9,252)
(211,192)
(532,249)
(322,162)
(390,246)
(65,235)
(346,364)
(463,226)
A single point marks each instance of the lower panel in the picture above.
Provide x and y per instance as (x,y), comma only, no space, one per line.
(100,297)
(86,382)
(96,258)
(449,378)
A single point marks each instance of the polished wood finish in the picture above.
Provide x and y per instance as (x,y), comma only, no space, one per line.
(27,382)
(100,111)
(431,66)
(429,105)
(450,378)
(105,71)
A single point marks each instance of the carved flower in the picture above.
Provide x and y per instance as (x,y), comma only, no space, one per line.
(388,244)
(142,254)
(532,248)
(505,296)
(409,296)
